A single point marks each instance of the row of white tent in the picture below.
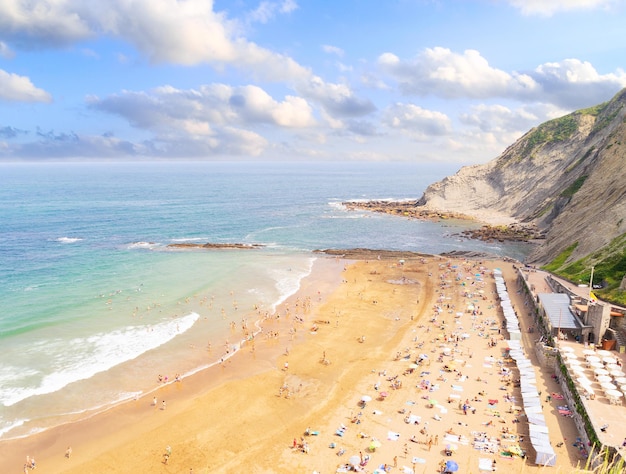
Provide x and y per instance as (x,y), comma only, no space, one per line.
(537,426)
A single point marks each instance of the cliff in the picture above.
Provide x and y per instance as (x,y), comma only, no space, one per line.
(566,177)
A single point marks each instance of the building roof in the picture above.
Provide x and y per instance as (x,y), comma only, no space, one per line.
(557,309)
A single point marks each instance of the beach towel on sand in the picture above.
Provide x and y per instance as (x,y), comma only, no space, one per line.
(484,464)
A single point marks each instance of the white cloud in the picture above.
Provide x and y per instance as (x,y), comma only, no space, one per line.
(44,23)
(332,50)
(180,32)
(5,51)
(20,89)
(416,122)
(267,11)
(206,107)
(439,72)
(573,84)
(337,99)
(550,7)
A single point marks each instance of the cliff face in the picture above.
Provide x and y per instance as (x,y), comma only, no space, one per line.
(567,177)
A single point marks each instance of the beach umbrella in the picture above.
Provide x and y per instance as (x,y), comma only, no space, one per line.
(604,379)
(433,402)
(384,394)
(366,398)
(616,373)
(609,360)
(614,393)
(589,352)
(451,447)
(355,460)
(452,466)
(596,365)
(620,380)
(592,359)
(569,355)
(567,349)
(608,386)
(599,372)
(604,353)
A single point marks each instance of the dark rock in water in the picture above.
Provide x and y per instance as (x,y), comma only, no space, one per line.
(210,245)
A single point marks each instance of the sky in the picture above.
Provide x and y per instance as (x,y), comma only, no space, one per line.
(424,81)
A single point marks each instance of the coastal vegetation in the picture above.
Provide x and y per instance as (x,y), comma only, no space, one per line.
(606,120)
(609,268)
(575,186)
(557,130)
(581,160)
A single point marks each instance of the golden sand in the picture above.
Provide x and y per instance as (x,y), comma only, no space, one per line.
(365,322)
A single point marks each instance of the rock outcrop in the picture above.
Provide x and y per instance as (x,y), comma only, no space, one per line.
(213,246)
(566,177)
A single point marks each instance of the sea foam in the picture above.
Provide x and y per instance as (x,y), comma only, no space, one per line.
(83,357)
(68,240)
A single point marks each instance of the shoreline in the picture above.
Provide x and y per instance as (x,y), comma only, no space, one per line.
(380,300)
(225,368)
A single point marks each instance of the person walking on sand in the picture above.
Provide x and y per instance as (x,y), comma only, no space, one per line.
(154,401)
(163,405)
(68,452)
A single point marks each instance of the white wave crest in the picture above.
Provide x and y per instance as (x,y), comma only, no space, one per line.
(82,358)
(142,245)
(68,240)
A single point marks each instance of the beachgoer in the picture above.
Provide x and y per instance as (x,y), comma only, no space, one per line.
(154,401)
(68,452)
(163,405)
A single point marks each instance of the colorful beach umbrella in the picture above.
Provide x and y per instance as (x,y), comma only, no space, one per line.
(452,466)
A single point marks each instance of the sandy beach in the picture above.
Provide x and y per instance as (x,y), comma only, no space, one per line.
(395,333)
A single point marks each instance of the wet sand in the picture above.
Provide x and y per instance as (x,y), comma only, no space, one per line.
(352,325)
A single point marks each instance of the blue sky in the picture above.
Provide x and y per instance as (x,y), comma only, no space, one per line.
(322,80)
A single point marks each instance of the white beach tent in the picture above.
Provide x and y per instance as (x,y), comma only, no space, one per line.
(540,440)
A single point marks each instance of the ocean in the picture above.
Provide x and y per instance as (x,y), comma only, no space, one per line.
(95,304)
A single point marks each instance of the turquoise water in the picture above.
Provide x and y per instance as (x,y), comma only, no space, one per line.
(94,305)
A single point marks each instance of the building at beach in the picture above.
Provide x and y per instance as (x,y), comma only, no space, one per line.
(558,317)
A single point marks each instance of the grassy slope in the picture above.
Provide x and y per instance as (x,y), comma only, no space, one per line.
(609,264)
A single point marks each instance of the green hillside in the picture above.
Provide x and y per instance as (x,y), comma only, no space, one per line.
(609,267)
